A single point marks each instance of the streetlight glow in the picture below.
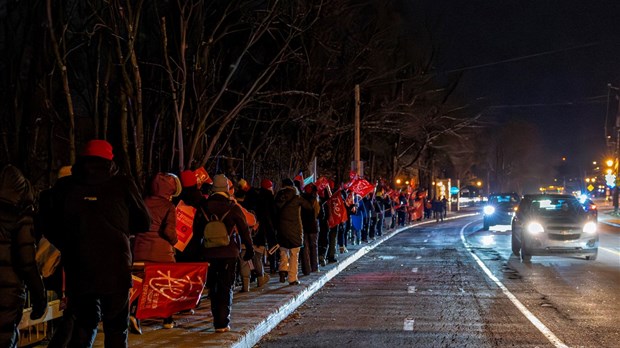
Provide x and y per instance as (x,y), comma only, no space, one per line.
(609,162)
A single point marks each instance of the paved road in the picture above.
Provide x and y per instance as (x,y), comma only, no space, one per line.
(425,288)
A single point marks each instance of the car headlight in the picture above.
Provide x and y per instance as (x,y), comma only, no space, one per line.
(488,210)
(535,227)
(589,227)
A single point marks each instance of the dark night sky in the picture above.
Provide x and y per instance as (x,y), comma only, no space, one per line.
(544,61)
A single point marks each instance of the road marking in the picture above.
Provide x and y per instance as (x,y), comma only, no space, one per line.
(426,241)
(408,325)
(610,250)
(414,270)
(526,312)
(418,257)
(411,289)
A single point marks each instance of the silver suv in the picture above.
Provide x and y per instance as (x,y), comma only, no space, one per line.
(548,224)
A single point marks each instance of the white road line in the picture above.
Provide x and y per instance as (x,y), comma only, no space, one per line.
(418,257)
(408,324)
(609,250)
(529,315)
(414,270)
(411,290)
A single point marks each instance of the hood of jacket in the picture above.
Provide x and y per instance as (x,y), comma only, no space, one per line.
(15,190)
(92,170)
(163,185)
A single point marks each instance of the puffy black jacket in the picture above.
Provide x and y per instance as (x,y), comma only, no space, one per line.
(289,227)
(17,243)
(93,213)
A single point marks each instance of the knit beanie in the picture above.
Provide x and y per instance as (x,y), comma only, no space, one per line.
(98,148)
(188,178)
(266,184)
(220,183)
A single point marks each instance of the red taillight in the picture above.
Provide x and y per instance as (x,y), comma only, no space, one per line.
(592,206)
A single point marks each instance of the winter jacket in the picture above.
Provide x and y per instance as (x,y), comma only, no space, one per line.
(218,204)
(266,215)
(157,244)
(309,218)
(93,214)
(289,227)
(17,244)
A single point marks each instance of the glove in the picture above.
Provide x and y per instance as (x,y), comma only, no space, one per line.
(249,254)
(38,309)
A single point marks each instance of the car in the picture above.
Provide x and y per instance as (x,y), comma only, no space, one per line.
(499,209)
(589,206)
(552,224)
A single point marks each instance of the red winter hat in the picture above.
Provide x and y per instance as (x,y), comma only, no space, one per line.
(188,178)
(266,184)
(98,148)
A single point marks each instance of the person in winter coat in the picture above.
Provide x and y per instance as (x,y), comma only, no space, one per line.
(223,260)
(18,268)
(266,214)
(157,244)
(94,211)
(290,230)
(310,224)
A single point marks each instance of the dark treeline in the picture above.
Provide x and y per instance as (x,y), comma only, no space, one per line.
(249,88)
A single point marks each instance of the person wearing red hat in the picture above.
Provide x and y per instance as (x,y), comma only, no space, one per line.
(103,209)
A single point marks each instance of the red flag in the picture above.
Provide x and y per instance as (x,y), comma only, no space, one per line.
(321,184)
(337,211)
(361,187)
(185,221)
(170,288)
(352,175)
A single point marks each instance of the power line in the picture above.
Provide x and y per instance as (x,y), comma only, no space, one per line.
(515,59)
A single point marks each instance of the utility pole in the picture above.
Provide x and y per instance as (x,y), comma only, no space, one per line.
(358,166)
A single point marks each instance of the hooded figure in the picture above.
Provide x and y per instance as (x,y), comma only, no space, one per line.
(157,244)
(18,267)
(94,212)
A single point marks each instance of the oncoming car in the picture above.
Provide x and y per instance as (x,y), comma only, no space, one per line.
(548,224)
(499,209)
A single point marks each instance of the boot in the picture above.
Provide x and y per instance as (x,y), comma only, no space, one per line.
(245,287)
(283,275)
(262,280)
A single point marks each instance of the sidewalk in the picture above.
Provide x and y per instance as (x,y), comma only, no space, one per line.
(606,213)
(254,314)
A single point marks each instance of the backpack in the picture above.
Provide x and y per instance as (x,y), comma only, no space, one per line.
(215,232)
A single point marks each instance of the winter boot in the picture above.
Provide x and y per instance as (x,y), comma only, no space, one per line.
(283,275)
(263,280)
(245,287)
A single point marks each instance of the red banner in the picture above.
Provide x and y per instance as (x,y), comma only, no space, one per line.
(185,222)
(361,187)
(202,176)
(337,211)
(170,288)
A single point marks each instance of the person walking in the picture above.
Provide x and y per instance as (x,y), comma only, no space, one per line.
(223,259)
(157,244)
(18,268)
(310,223)
(289,229)
(266,236)
(94,213)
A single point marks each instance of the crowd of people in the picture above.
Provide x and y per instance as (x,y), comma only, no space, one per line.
(101,224)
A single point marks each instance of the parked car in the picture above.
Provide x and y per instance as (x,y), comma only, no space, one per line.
(548,224)
(499,209)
